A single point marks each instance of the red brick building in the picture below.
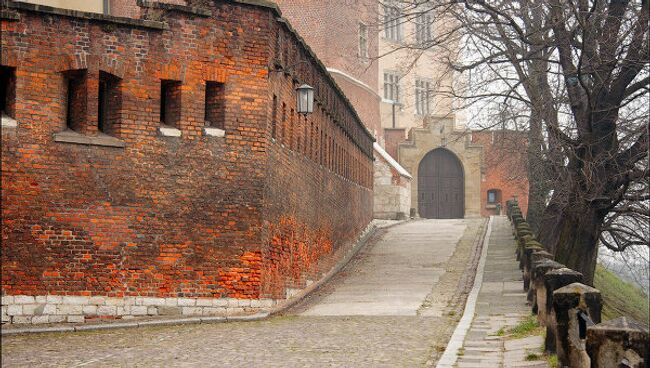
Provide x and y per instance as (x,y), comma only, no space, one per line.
(161,162)
(506,174)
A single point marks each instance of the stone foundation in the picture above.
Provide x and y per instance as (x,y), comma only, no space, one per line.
(23,309)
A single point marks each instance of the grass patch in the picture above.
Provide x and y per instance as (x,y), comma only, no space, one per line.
(532,356)
(527,327)
(501,332)
(553,362)
(621,298)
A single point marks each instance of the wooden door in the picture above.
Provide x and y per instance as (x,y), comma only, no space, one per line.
(441,186)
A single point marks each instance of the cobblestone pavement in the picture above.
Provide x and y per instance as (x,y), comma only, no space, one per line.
(301,338)
(501,304)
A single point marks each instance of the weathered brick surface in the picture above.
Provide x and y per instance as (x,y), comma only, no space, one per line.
(504,157)
(331,28)
(243,216)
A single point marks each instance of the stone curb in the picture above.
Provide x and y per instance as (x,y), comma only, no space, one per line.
(160,322)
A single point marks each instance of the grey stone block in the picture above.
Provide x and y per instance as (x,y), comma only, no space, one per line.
(56,318)
(54,299)
(153,301)
(169,311)
(114,301)
(41,299)
(152,310)
(221,302)
(203,302)
(76,319)
(69,309)
(171,302)
(15,310)
(21,319)
(40,319)
(7,299)
(186,302)
(90,309)
(97,300)
(192,311)
(24,299)
(49,309)
(138,310)
(76,300)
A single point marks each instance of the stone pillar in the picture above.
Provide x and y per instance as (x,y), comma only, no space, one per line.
(535,258)
(571,329)
(621,342)
(554,280)
(539,291)
(531,247)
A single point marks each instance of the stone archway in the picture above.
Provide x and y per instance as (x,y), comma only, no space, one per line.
(441,185)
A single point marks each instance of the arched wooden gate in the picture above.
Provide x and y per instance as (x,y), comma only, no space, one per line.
(441,186)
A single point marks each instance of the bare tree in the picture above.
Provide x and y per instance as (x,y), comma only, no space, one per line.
(580,68)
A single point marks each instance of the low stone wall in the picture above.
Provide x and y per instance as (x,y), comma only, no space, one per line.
(571,311)
(79,309)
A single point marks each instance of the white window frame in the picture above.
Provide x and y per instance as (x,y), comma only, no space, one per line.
(392,86)
(363,40)
(392,22)
(423,26)
(423,96)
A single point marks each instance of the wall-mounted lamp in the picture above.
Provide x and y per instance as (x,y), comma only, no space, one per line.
(305,99)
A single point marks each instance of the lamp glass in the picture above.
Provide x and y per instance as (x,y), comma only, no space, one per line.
(305,99)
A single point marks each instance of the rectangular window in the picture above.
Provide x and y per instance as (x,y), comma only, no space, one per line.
(392,22)
(8,91)
(109,104)
(363,40)
(422,97)
(76,99)
(170,103)
(215,111)
(391,86)
(423,22)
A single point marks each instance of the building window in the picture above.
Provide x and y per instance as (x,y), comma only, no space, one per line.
(109,104)
(392,22)
(363,40)
(170,103)
(423,22)
(76,99)
(422,97)
(391,86)
(7,92)
(215,111)
(493,196)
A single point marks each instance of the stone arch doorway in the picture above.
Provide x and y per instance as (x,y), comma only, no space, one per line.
(441,185)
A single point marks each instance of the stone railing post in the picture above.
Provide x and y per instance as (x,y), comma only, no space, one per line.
(535,258)
(554,280)
(621,342)
(540,268)
(531,247)
(575,306)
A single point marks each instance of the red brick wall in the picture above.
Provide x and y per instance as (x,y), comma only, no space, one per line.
(504,157)
(394,136)
(331,28)
(186,216)
(318,165)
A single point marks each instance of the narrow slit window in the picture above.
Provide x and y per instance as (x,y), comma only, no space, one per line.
(8,92)
(109,104)
(274,117)
(76,99)
(170,103)
(215,112)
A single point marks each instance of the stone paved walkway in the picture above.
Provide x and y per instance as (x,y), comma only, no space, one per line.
(395,305)
(501,304)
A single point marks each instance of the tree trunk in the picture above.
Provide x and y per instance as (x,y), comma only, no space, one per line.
(572,236)
(537,176)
